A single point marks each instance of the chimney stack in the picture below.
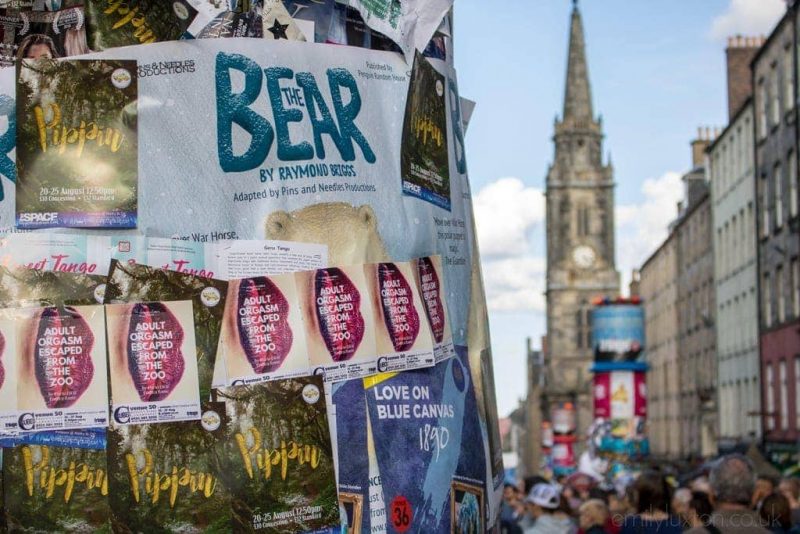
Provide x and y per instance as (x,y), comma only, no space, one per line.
(739,53)
(705,136)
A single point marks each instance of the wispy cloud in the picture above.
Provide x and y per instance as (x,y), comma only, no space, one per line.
(747,17)
(642,227)
(509,216)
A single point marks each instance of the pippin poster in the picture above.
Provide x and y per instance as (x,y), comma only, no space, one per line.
(280,468)
(77,148)
(61,368)
(424,160)
(168,478)
(153,362)
(55,489)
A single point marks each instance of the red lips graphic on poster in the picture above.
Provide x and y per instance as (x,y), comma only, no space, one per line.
(63,356)
(397,301)
(337,304)
(262,321)
(155,359)
(431,294)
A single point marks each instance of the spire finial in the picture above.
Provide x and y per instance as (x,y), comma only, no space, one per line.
(577,97)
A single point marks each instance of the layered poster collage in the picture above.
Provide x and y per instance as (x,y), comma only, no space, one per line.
(239,282)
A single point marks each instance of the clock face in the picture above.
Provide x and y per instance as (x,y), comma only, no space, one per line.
(583,256)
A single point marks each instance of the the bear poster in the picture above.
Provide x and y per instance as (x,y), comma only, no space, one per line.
(281,470)
(141,283)
(55,489)
(166,477)
(76,150)
(61,368)
(262,332)
(153,362)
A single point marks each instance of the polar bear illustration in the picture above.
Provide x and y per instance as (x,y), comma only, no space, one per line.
(350,232)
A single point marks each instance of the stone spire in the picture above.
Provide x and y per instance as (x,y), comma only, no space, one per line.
(578,94)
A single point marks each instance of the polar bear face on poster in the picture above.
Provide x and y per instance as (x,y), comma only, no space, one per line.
(350,232)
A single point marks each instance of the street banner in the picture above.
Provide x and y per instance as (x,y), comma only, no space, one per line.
(620,394)
(617,332)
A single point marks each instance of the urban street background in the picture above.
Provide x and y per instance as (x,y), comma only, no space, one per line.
(656,75)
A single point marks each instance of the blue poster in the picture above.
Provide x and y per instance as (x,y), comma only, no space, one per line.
(429,448)
(618,332)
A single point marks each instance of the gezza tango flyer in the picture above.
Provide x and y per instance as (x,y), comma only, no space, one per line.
(77,149)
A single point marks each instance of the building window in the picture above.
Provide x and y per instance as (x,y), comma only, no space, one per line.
(765,215)
(788,78)
(770,398)
(765,290)
(779,294)
(795,296)
(778,191)
(797,392)
(774,97)
(791,161)
(761,109)
(784,385)
(583,221)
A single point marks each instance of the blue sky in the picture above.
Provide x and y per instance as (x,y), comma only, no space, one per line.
(657,71)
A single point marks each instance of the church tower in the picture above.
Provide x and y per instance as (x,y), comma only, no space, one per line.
(580,236)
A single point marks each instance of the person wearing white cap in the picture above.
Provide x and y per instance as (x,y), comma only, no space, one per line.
(543,504)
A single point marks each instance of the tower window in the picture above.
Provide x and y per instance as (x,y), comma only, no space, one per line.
(583,327)
(582,215)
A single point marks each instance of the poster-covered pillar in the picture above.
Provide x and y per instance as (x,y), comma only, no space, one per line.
(563,424)
(619,431)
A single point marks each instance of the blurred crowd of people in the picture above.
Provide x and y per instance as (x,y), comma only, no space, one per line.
(728,498)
